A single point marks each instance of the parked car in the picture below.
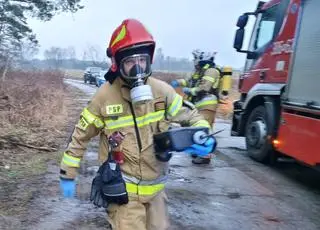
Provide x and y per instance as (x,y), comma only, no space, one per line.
(90,74)
(100,79)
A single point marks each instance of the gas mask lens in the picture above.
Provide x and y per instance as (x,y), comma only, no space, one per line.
(135,66)
(135,69)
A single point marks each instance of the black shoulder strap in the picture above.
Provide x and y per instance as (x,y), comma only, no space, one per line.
(110,76)
(166,109)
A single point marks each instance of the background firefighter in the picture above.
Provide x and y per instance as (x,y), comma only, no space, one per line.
(202,90)
(192,81)
(138,106)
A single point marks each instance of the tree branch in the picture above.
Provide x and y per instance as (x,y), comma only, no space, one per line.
(42,148)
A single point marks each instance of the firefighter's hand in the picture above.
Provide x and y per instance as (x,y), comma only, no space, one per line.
(96,193)
(203,150)
(68,188)
(224,96)
(174,83)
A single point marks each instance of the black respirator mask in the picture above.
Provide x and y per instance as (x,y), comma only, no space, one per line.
(134,70)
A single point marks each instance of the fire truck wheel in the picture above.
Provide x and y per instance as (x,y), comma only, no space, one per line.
(256,133)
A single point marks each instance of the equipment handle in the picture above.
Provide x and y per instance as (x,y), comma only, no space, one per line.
(201,137)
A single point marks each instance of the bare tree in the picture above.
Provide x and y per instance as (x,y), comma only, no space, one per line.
(28,51)
(55,56)
(71,53)
(5,59)
(14,29)
(159,58)
(94,54)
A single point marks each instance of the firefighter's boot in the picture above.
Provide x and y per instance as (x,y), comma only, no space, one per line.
(201,160)
(194,155)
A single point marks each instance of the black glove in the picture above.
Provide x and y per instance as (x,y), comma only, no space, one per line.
(96,193)
(163,156)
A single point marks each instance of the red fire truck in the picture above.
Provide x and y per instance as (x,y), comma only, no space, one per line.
(279,107)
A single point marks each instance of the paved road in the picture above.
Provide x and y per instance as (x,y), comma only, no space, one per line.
(232,193)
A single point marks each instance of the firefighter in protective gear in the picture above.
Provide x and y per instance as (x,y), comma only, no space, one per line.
(197,56)
(138,106)
(204,91)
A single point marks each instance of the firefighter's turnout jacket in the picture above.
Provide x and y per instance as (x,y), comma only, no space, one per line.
(204,88)
(111,110)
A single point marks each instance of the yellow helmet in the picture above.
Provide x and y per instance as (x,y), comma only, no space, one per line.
(227,69)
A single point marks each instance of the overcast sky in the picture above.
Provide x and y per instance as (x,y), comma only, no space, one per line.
(179,26)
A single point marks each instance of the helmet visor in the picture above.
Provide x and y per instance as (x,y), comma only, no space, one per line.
(136,66)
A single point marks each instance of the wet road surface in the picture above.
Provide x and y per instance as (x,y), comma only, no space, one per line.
(233,192)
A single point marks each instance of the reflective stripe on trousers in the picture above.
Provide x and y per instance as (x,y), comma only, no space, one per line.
(144,190)
(143,187)
(209,100)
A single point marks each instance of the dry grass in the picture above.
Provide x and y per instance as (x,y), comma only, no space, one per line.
(169,76)
(36,109)
(74,73)
(32,109)
(225,111)
(31,99)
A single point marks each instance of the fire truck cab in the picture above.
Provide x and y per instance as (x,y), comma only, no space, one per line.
(279,107)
